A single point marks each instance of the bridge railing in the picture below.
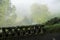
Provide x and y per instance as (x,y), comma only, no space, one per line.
(10,32)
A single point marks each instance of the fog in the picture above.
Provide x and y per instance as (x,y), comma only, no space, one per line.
(24,5)
(25,12)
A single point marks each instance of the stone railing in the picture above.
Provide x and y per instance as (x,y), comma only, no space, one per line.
(20,31)
(31,32)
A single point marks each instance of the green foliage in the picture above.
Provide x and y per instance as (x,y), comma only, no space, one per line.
(3,8)
(11,16)
(53,21)
(53,28)
(53,25)
(40,13)
(5,13)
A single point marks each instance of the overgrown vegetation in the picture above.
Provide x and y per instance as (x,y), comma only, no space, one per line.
(53,25)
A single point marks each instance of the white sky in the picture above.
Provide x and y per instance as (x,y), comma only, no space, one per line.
(22,6)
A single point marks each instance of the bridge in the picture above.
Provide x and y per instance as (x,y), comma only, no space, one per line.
(31,32)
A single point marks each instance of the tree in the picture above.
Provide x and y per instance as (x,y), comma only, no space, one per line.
(54,20)
(26,21)
(7,13)
(12,16)
(4,4)
(40,13)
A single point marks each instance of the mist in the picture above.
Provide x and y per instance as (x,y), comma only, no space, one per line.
(25,12)
(23,7)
